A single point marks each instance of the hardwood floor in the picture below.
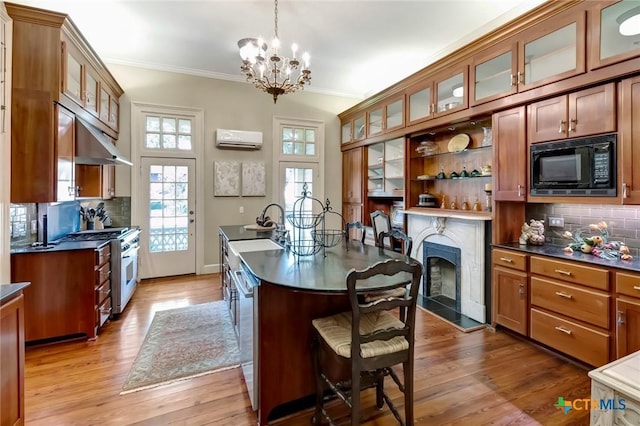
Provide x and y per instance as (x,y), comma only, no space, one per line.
(477,378)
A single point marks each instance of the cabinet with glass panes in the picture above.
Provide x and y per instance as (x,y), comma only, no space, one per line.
(385,169)
(454,165)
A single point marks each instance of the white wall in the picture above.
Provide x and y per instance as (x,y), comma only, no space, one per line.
(229,105)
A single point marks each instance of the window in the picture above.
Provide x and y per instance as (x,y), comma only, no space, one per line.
(162,133)
(298,159)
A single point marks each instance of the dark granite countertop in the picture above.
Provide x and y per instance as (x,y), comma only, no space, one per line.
(70,245)
(238,232)
(316,273)
(558,252)
(9,291)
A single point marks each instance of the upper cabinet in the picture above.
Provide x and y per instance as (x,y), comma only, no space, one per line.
(443,94)
(629,140)
(510,155)
(57,78)
(353,128)
(387,116)
(586,112)
(611,41)
(385,169)
(553,51)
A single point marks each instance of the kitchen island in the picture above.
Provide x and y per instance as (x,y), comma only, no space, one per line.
(292,291)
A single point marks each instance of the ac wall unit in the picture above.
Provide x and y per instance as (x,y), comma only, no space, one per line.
(238,139)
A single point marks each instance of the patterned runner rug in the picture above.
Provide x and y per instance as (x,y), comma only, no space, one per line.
(183,343)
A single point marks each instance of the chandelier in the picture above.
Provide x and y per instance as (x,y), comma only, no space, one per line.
(268,70)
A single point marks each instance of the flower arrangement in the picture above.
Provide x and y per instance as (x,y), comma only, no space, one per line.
(596,242)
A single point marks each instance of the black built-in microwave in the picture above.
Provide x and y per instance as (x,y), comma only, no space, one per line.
(576,167)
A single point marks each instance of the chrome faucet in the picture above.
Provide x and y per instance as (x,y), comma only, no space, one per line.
(282,233)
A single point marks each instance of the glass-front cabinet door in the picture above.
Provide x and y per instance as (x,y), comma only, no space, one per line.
(346,132)
(451,92)
(614,36)
(72,84)
(419,105)
(394,114)
(353,129)
(386,116)
(493,73)
(92,88)
(554,52)
(374,121)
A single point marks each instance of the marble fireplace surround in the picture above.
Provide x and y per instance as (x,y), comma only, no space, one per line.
(466,233)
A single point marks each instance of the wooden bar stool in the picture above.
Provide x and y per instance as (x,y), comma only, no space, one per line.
(368,341)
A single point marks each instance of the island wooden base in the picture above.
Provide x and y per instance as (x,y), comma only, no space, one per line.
(285,336)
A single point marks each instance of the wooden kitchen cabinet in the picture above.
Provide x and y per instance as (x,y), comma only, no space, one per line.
(12,361)
(510,290)
(586,112)
(387,116)
(441,94)
(103,304)
(627,313)
(570,308)
(353,128)
(352,164)
(607,45)
(54,72)
(629,140)
(510,155)
(61,300)
(552,51)
(95,181)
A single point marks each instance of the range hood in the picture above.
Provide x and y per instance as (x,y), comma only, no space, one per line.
(95,147)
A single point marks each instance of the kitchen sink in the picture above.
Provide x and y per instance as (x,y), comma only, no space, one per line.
(237,247)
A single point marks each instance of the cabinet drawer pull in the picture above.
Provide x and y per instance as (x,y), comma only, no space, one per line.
(620,318)
(625,191)
(560,271)
(561,128)
(506,259)
(565,295)
(636,287)
(564,330)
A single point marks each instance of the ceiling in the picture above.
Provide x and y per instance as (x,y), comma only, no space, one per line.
(357,48)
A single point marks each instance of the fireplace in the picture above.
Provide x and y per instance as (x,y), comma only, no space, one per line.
(441,276)
(459,248)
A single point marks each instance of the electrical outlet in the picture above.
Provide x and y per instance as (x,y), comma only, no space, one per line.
(556,221)
(241,209)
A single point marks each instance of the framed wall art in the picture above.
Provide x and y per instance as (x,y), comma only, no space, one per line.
(226,178)
(253,179)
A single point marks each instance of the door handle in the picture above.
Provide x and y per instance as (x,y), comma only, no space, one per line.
(521,290)
(625,192)
(191,220)
(572,124)
(561,128)
(620,320)
(513,80)
(520,77)
(519,190)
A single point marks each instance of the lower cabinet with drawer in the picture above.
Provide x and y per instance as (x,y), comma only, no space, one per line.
(570,309)
(627,313)
(103,285)
(510,290)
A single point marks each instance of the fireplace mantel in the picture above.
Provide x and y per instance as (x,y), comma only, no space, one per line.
(457,214)
(468,231)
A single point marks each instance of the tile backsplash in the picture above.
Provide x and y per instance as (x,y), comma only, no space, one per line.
(623,222)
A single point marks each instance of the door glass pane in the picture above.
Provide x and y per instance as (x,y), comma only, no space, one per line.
(168,189)
(295,179)
(375,121)
(394,114)
(74,71)
(449,94)
(550,55)
(493,76)
(419,104)
(612,42)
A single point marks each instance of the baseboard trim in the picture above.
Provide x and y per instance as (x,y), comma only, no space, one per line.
(211,269)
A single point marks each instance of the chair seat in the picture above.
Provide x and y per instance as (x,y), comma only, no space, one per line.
(336,331)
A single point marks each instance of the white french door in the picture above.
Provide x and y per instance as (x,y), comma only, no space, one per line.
(293,178)
(168,189)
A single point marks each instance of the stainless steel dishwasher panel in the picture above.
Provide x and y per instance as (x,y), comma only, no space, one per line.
(247,331)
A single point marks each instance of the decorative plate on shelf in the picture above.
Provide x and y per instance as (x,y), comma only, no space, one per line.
(459,142)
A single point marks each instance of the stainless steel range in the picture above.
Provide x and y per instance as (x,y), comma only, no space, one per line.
(125,243)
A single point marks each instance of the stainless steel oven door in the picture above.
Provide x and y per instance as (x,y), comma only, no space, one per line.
(128,274)
(247,334)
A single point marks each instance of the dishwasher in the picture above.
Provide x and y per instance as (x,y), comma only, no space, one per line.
(247,287)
